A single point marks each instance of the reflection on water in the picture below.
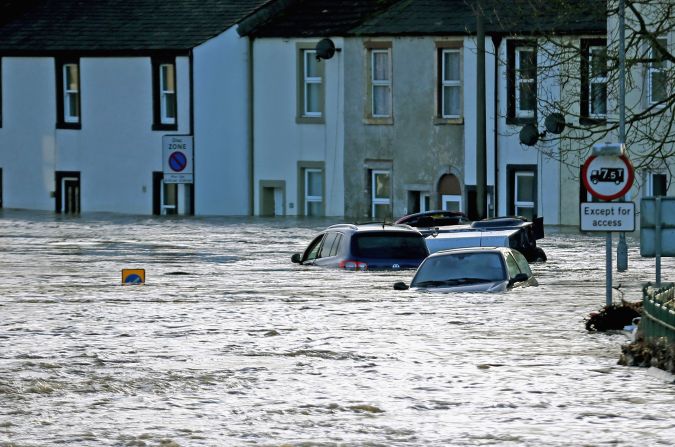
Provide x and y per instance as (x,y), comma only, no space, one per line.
(229,343)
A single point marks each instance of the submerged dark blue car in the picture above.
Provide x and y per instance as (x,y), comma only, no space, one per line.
(366,247)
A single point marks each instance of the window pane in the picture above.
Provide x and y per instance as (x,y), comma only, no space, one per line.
(382,186)
(314,208)
(528,66)
(659,185)
(451,100)
(657,56)
(167,75)
(380,66)
(381,100)
(381,211)
(525,211)
(73,105)
(598,62)
(451,66)
(312,92)
(312,69)
(658,82)
(526,98)
(169,105)
(314,183)
(599,99)
(71,77)
(524,188)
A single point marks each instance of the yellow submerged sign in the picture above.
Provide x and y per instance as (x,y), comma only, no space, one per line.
(133,276)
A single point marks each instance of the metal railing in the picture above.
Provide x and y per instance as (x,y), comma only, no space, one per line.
(658,312)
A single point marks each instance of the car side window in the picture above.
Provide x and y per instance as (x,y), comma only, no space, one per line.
(327,245)
(512,266)
(336,244)
(313,250)
(523,265)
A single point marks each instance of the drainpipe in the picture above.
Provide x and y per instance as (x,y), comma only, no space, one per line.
(251,120)
(496,41)
(480,116)
(192,130)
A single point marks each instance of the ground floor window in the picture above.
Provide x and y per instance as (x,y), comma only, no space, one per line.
(313,192)
(380,194)
(522,190)
(451,202)
(657,184)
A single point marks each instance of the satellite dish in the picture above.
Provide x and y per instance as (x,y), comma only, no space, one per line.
(555,123)
(325,49)
(529,135)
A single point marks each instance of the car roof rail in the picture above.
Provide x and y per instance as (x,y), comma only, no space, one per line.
(344,225)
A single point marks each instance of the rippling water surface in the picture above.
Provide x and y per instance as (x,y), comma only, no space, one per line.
(228,343)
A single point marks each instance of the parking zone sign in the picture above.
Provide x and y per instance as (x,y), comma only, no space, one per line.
(177,156)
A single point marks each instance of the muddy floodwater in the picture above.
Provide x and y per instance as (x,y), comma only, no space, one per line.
(230,344)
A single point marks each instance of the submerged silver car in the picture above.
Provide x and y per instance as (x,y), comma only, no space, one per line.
(477,269)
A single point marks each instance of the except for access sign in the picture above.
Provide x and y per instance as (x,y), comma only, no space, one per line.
(608,216)
(177,154)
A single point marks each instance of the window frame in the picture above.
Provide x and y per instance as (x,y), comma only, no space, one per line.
(588,80)
(514,114)
(64,119)
(160,121)
(653,69)
(372,48)
(444,48)
(374,199)
(513,172)
(651,175)
(313,199)
(303,115)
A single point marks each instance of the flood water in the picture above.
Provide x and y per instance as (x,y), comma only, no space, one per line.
(230,344)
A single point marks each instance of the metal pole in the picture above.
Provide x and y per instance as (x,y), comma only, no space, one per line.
(608,280)
(657,239)
(481,143)
(622,247)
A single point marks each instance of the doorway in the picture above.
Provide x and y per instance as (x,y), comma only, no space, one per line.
(67,195)
(272,198)
(170,198)
(450,193)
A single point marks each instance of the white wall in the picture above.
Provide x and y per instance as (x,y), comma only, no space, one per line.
(115,150)
(27,136)
(279,141)
(221,147)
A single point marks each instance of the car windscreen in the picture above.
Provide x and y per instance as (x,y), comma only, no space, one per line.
(460,268)
(390,245)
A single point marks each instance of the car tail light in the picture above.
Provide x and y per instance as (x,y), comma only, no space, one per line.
(353,265)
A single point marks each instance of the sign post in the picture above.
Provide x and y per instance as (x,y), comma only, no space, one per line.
(608,174)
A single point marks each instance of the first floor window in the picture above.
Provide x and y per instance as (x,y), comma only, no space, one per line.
(164,94)
(594,79)
(68,87)
(526,73)
(167,82)
(380,193)
(657,76)
(380,82)
(524,193)
(312,84)
(451,83)
(313,192)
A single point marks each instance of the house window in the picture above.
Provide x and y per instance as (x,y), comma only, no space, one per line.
(657,77)
(657,184)
(378,109)
(522,191)
(380,188)
(68,99)
(0,117)
(313,192)
(310,86)
(380,83)
(593,79)
(521,81)
(418,202)
(450,88)
(164,95)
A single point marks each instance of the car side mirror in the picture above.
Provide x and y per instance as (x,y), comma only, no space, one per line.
(400,285)
(520,277)
(296,258)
